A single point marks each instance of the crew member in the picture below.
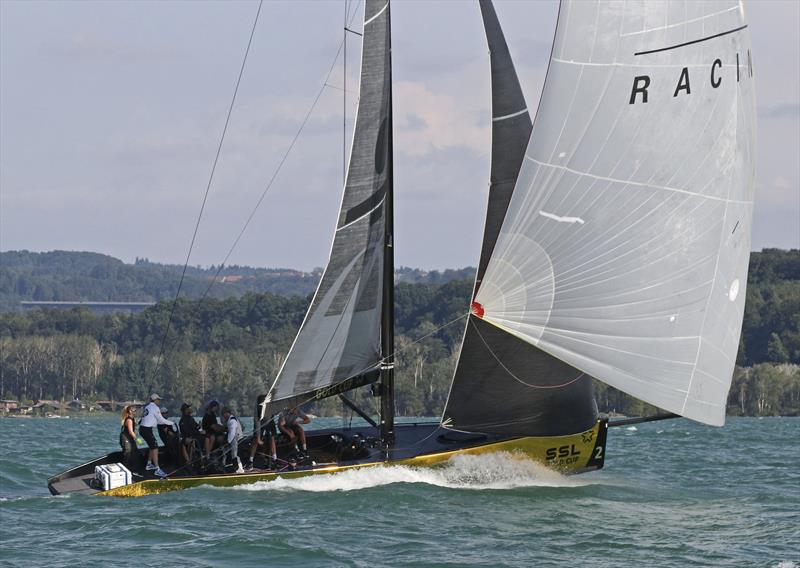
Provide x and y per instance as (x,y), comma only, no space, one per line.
(170,438)
(234,435)
(191,433)
(264,430)
(127,439)
(150,418)
(290,424)
(214,431)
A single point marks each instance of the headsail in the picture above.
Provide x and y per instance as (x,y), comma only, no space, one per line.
(625,247)
(338,346)
(501,384)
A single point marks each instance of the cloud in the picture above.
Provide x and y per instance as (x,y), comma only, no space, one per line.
(426,120)
(780,111)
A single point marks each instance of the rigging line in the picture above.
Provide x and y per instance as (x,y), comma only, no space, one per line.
(515,377)
(271,181)
(427,335)
(208,189)
(338,88)
(280,165)
(264,193)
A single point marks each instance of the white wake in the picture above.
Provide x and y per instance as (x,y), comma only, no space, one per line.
(489,471)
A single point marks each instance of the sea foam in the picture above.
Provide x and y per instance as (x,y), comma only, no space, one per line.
(489,471)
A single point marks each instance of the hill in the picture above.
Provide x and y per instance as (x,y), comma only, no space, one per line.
(89,276)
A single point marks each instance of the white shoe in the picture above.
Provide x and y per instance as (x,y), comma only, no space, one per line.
(240,469)
(151,466)
(161,473)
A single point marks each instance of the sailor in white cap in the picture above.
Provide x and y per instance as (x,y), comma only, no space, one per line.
(150,418)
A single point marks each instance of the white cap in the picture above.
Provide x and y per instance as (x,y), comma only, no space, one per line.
(154,397)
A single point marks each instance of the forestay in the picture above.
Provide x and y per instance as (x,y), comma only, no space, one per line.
(625,247)
(338,345)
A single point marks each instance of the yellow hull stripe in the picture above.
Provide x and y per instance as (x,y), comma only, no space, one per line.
(565,454)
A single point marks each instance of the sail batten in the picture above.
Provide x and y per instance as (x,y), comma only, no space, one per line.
(624,249)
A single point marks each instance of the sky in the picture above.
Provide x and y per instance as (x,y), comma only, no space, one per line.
(111,113)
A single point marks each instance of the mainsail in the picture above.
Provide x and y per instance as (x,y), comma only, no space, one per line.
(338,346)
(501,384)
(625,246)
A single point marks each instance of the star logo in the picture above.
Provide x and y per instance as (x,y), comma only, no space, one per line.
(588,436)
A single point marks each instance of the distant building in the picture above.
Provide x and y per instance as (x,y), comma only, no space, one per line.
(97,307)
(114,406)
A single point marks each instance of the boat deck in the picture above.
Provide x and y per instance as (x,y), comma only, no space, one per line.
(80,485)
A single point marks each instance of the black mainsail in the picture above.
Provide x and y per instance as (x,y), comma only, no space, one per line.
(341,342)
(502,384)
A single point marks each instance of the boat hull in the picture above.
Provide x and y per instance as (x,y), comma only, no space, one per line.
(427,445)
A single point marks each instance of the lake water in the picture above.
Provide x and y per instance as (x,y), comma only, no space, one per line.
(672,493)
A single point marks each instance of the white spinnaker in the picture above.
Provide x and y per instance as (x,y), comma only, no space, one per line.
(625,247)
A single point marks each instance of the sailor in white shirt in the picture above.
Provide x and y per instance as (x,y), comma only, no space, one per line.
(151,416)
(234,435)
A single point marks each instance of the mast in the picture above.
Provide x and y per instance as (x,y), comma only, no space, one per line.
(387,307)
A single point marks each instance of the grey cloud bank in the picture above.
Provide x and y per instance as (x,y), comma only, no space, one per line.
(110,113)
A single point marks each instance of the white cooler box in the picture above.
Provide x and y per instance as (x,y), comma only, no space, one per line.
(112,475)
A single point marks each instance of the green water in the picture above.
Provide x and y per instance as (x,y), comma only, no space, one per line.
(672,494)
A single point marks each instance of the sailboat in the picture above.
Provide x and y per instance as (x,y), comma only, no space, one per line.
(615,248)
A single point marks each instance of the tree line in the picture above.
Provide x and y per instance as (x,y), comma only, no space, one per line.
(231,348)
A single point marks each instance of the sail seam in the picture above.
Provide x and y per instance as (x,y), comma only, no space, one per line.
(705,315)
(638,183)
(694,41)
(605,142)
(381,11)
(551,348)
(640,66)
(567,276)
(512,115)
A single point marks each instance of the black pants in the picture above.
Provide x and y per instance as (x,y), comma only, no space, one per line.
(147,434)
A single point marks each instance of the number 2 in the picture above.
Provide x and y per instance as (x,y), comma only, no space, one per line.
(598,453)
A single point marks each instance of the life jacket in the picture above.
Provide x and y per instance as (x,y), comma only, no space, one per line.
(123,431)
(239,429)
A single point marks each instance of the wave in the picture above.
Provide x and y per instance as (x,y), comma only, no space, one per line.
(489,471)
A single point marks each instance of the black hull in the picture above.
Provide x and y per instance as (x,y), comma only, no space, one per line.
(338,449)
